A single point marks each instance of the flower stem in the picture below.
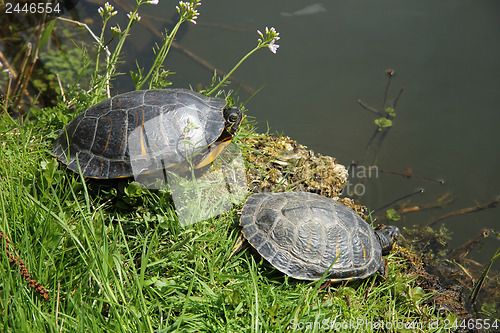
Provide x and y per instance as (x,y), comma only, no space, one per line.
(160,58)
(112,61)
(100,48)
(232,70)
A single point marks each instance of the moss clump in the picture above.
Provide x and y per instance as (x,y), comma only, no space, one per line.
(279,164)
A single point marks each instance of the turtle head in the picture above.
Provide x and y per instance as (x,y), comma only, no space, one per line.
(387,237)
(233,117)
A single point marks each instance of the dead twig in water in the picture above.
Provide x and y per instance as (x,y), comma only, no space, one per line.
(397,98)
(463,250)
(200,24)
(369,108)
(420,190)
(439,203)
(491,204)
(408,173)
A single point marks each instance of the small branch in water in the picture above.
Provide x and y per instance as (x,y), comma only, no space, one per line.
(369,108)
(420,190)
(463,250)
(397,98)
(408,173)
(491,204)
(389,73)
(200,24)
(440,203)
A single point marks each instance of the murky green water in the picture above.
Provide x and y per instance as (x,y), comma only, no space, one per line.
(445,54)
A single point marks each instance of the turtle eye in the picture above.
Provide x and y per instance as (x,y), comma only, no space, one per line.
(233,117)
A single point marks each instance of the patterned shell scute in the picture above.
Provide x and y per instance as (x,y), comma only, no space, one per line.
(302,234)
(148,128)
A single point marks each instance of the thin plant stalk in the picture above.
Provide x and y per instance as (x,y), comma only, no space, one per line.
(112,60)
(224,79)
(267,39)
(162,54)
(479,284)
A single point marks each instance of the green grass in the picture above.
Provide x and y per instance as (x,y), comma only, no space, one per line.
(115,259)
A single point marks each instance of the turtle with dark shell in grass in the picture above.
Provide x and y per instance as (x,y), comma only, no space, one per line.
(147,130)
(308,236)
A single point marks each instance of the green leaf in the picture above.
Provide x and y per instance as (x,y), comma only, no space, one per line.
(46,35)
(479,283)
(392,215)
(390,112)
(383,123)
(134,190)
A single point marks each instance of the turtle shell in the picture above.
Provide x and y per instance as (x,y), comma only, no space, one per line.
(302,234)
(140,131)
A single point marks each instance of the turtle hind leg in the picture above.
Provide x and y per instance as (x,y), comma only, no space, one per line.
(239,245)
(384,268)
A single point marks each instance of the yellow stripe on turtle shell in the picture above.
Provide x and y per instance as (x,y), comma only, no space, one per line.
(143,148)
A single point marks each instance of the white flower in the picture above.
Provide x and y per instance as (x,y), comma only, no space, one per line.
(188,10)
(153,2)
(134,16)
(269,39)
(109,8)
(272,32)
(116,30)
(273,47)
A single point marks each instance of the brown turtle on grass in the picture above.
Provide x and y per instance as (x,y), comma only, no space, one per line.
(308,236)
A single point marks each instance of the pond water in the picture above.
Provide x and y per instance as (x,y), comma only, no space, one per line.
(445,54)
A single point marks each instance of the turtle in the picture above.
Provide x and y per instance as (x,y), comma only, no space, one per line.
(146,130)
(308,236)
